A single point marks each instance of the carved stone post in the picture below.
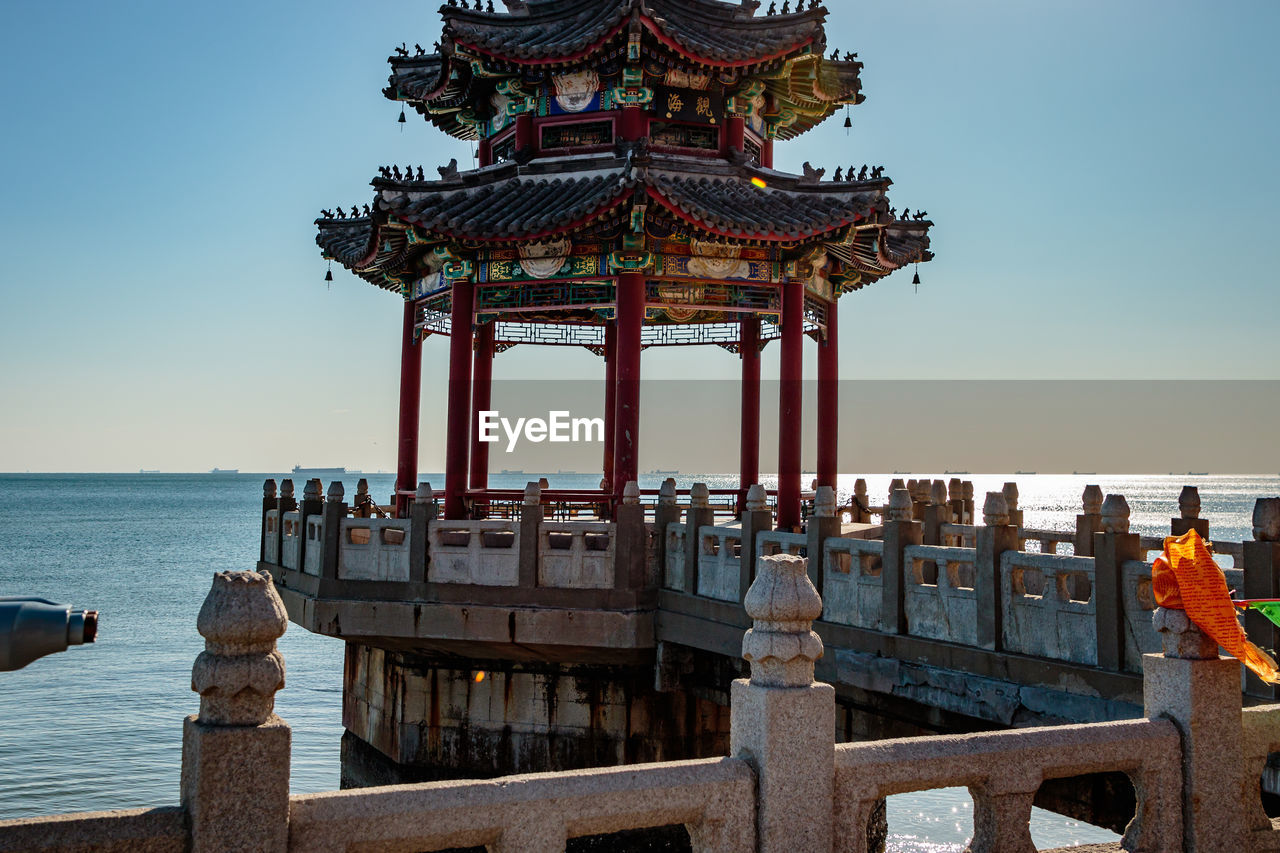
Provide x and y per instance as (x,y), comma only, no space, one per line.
(1262,580)
(665,514)
(312,504)
(935,513)
(822,526)
(899,532)
(1200,692)
(969,506)
(285,504)
(235,752)
(783,722)
(269,502)
(756,518)
(1089,521)
(1010,492)
(531,517)
(955,497)
(861,503)
(992,539)
(334,512)
(1189,515)
(422,512)
(698,515)
(1112,548)
(632,548)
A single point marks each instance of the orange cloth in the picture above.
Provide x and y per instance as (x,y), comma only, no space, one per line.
(1185,577)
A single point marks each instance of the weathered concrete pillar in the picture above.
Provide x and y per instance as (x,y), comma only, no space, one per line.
(1262,580)
(1010,492)
(632,548)
(362,503)
(334,512)
(421,514)
(1089,521)
(782,721)
(1189,515)
(913,489)
(992,539)
(286,503)
(312,504)
(936,514)
(698,514)
(531,516)
(1200,692)
(235,752)
(822,526)
(756,517)
(899,532)
(1112,547)
(269,502)
(969,506)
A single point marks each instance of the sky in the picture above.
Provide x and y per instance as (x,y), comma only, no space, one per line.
(1101,176)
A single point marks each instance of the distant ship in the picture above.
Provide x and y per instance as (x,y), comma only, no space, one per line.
(298,471)
(512,470)
(1197,473)
(224,470)
(1085,473)
(562,471)
(1029,473)
(908,472)
(148,470)
(660,471)
(955,472)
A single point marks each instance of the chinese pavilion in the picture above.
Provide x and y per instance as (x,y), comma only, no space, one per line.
(625,197)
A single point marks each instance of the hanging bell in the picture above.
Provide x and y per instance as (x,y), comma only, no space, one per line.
(402,119)
(848,122)
(328,275)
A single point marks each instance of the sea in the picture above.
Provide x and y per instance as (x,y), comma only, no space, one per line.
(100,726)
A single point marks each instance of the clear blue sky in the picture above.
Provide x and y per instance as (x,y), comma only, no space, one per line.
(1102,177)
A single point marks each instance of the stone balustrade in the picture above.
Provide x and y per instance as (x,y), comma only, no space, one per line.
(940,597)
(720,562)
(852,585)
(372,549)
(774,542)
(1194,759)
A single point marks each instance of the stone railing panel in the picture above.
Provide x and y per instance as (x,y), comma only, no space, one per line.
(270,544)
(161,830)
(1003,771)
(576,554)
(535,813)
(719,562)
(373,549)
(1139,602)
(1049,606)
(851,582)
(958,535)
(313,553)
(940,598)
(484,553)
(291,540)
(1049,541)
(673,541)
(770,542)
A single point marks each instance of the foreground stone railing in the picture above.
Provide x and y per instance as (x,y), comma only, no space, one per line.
(1194,762)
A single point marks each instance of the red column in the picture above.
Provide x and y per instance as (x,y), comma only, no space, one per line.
(524,132)
(484,152)
(766,153)
(410,395)
(626,436)
(791,374)
(610,395)
(734,135)
(749,454)
(481,396)
(458,426)
(828,402)
(633,124)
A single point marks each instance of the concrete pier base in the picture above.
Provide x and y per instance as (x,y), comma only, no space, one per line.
(435,718)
